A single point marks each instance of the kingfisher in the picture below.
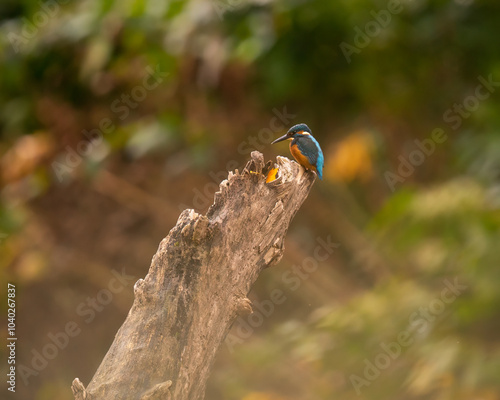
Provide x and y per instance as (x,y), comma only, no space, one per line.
(304,148)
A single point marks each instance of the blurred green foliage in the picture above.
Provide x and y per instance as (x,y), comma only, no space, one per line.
(225,66)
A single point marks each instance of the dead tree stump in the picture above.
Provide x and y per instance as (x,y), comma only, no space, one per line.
(197,285)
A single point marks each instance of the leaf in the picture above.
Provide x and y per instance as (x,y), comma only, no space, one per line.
(272,175)
(351,158)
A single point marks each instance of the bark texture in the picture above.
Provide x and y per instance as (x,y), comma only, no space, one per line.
(197,285)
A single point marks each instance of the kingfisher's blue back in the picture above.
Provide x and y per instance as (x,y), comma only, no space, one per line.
(309,148)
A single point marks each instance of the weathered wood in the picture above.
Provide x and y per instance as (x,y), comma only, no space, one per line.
(197,285)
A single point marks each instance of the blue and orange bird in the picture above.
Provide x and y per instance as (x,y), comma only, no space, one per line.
(304,148)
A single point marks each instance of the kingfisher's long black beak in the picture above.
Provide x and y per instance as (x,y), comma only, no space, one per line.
(284,137)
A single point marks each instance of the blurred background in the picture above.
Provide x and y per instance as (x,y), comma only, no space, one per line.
(117,115)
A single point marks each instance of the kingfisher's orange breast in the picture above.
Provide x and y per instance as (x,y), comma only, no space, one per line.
(301,159)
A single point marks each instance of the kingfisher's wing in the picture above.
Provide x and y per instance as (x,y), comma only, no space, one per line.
(309,147)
